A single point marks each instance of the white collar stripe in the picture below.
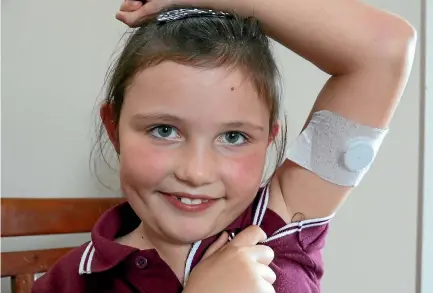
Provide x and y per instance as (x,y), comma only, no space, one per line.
(258,209)
(304,222)
(81,270)
(189,260)
(294,230)
(265,206)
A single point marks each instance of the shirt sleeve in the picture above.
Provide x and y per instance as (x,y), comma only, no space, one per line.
(297,246)
(62,276)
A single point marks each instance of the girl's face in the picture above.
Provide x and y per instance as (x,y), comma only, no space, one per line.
(192,148)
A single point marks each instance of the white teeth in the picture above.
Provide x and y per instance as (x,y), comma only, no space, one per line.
(191,201)
(186,200)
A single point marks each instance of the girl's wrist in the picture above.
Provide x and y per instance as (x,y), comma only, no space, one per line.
(244,8)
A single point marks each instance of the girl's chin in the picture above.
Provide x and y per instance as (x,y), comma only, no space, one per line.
(189,234)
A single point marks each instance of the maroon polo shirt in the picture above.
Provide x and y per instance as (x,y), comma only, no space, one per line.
(105,266)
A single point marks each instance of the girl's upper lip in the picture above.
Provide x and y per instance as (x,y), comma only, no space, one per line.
(190,196)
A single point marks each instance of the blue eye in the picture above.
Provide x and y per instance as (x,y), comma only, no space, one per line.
(234,138)
(164,132)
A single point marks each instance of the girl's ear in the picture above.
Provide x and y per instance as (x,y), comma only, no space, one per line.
(274,132)
(107,116)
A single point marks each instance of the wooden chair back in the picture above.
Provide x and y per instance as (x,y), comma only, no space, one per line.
(37,216)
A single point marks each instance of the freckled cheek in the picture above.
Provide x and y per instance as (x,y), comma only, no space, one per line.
(142,165)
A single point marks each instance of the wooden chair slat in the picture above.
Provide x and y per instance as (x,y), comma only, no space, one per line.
(22,283)
(44,216)
(36,216)
(32,261)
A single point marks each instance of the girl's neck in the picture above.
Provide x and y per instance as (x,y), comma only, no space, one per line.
(174,254)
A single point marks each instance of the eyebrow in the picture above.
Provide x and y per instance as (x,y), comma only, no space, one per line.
(241,124)
(156,116)
(168,118)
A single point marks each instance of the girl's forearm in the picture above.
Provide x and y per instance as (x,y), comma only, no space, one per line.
(338,36)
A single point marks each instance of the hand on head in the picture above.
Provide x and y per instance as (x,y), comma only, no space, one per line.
(134,13)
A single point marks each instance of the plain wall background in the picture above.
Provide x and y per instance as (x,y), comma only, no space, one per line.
(54,59)
(426,245)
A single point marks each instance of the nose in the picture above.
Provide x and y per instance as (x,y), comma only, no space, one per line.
(197,167)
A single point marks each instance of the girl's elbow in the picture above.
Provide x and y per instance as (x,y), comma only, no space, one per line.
(396,42)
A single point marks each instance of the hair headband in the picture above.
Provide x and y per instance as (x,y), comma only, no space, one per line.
(182,13)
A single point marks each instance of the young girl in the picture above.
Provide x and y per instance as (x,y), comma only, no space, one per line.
(191,109)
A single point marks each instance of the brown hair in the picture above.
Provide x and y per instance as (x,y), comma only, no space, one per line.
(206,42)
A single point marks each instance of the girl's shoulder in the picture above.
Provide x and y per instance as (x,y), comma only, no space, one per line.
(64,275)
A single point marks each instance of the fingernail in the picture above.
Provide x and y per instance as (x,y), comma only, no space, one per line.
(231,235)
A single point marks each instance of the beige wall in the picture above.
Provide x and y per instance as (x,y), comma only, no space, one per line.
(372,245)
(426,205)
(55,54)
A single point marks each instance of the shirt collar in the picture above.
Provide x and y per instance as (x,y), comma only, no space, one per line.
(103,252)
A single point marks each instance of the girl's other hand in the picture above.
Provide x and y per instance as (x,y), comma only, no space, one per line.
(239,266)
(134,13)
